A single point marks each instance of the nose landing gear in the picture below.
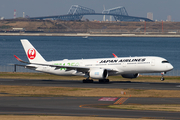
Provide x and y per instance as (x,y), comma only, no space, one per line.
(162,78)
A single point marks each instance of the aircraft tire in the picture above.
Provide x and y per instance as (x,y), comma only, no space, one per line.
(107,80)
(87,81)
(162,79)
(103,80)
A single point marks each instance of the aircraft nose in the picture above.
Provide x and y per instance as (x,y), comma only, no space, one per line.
(170,67)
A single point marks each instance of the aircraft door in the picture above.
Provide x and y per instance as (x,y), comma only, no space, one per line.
(153,62)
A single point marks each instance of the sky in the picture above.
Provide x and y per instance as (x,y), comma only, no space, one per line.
(35,8)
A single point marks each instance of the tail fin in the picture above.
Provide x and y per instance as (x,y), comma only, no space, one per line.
(32,54)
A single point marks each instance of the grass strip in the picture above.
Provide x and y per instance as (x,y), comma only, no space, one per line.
(45,91)
(46,117)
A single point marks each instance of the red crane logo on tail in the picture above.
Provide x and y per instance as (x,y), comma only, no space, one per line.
(31,53)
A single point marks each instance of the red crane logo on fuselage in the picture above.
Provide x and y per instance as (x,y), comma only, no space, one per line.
(31,53)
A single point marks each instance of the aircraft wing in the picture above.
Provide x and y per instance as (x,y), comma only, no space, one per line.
(26,66)
(78,68)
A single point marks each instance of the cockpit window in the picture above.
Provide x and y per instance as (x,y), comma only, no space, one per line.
(165,62)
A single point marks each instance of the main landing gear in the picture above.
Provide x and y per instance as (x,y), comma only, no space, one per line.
(87,80)
(162,78)
(103,80)
(91,80)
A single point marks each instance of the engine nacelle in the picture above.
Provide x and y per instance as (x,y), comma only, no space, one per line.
(130,75)
(98,73)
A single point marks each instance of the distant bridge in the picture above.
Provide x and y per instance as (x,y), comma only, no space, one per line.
(77,12)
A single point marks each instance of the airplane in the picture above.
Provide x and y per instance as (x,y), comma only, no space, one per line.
(101,68)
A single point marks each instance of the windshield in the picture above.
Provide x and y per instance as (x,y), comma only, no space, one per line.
(165,61)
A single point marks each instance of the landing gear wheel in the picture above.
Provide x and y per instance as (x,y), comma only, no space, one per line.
(107,80)
(162,78)
(103,80)
(87,81)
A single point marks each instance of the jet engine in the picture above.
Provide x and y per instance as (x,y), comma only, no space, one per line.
(130,75)
(98,73)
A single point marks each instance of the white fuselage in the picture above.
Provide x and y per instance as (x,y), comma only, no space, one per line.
(123,65)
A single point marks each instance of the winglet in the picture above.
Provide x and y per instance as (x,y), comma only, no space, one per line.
(20,59)
(114,55)
(17,58)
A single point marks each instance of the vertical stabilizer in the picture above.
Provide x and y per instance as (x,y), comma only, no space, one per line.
(32,54)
